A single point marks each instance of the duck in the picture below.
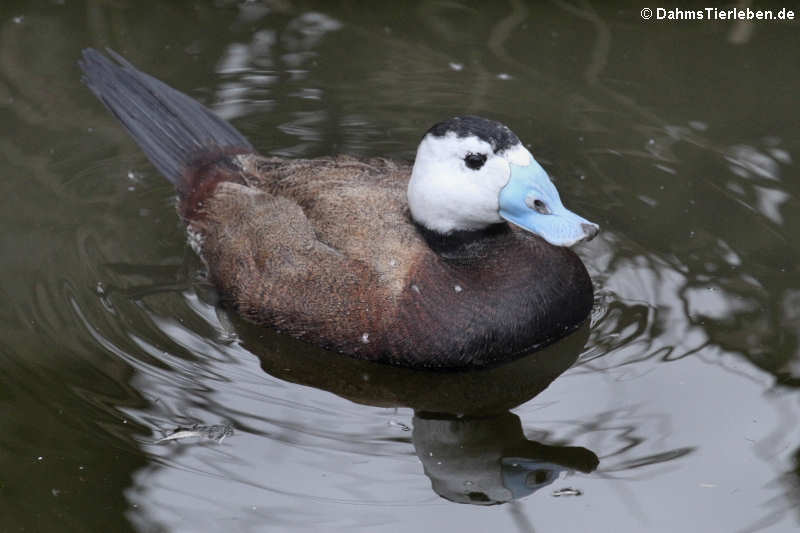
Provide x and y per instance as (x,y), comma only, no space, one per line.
(459,259)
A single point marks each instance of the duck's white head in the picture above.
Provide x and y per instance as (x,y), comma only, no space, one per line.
(471,172)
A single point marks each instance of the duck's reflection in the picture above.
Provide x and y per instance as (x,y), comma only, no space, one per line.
(488,460)
(471,447)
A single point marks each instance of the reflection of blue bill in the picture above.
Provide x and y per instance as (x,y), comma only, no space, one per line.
(523,476)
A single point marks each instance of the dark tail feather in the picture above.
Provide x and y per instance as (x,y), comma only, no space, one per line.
(172,128)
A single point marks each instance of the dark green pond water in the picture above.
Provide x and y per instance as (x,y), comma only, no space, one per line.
(680,139)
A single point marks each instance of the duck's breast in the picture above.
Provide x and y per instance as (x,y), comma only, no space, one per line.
(514,295)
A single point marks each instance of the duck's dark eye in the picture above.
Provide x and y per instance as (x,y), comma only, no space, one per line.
(474,161)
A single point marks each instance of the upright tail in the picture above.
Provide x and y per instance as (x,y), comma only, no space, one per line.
(172,128)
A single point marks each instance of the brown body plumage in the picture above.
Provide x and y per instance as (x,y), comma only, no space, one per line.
(326,251)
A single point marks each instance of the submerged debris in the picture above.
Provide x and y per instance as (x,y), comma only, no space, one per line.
(216,432)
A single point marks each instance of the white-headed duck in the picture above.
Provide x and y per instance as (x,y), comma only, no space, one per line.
(458,260)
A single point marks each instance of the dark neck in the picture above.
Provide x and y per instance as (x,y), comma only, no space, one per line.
(463,244)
